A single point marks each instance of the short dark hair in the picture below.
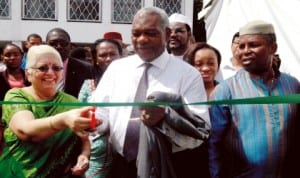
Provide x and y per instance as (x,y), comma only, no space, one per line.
(11,44)
(58,30)
(34,35)
(236,35)
(99,41)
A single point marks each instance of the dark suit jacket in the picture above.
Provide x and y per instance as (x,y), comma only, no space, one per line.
(155,157)
(77,72)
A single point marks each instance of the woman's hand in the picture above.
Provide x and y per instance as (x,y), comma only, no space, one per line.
(81,120)
(81,166)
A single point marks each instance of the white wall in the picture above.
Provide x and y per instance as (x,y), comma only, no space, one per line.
(226,17)
(17,30)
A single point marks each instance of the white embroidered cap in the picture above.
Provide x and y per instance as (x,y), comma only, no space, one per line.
(176,17)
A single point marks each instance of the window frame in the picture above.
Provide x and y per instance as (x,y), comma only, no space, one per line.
(9,12)
(85,20)
(40,19)
(113,21)
(182,3)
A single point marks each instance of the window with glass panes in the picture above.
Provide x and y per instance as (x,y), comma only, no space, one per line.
(170,6)
(85,11)
(39,9)
(5,9)
(123,11)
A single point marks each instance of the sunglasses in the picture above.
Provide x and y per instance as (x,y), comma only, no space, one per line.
(55,43)
(47,68)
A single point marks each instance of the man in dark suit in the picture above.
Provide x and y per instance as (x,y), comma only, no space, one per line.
(75,71)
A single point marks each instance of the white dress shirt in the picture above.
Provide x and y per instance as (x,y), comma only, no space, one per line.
(226,71)
(177,57)
(119,84)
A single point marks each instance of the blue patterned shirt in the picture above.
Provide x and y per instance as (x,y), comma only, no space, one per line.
(251,140)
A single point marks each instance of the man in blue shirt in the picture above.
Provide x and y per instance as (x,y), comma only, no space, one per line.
(254,140)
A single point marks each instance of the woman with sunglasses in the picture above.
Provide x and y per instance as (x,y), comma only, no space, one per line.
(49,139)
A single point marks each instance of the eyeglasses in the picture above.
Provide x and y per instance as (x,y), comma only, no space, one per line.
(46,68)
(178,31)
(62,43)
(106,55)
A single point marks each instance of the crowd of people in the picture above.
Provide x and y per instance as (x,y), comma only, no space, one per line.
(163,65)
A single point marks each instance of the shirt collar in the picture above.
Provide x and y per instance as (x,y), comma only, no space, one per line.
(177,57)
(160,62)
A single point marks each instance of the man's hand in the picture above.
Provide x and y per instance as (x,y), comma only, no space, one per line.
(151,116)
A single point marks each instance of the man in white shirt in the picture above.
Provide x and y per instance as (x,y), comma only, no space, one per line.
(234,65)
(119,83)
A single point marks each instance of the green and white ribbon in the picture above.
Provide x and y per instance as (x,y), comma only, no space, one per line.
(286,99)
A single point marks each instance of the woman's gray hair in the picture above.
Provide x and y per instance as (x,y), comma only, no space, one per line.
(155,10)
(36,52)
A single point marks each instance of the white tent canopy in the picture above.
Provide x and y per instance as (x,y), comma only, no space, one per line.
(224,17)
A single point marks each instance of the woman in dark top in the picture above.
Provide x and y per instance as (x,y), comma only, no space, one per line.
(13,76)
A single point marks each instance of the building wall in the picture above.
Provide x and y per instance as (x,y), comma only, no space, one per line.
(16,29)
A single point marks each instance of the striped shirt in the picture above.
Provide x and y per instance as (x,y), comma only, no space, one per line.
(250,140)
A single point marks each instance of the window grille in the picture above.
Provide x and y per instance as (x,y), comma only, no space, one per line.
(123,11)
(84,10)
(39,9)
(5,9)
(170,6)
